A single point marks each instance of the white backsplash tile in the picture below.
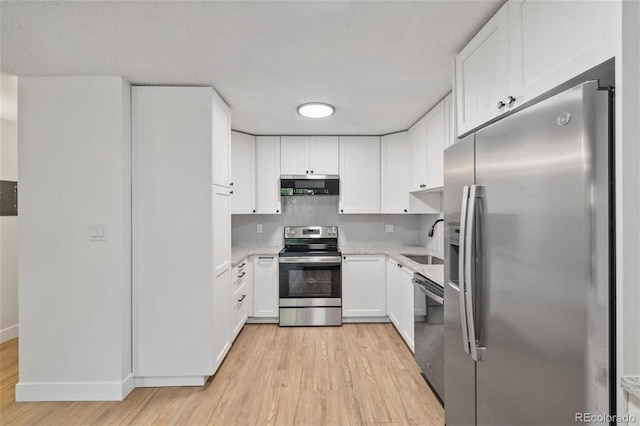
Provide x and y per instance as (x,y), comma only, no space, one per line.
(323,210)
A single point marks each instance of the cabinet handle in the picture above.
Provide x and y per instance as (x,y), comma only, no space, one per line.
(265,257)
(510,100)
(242,275)
(500,104)
(399,265)
(230,183)
(230,192)
(242,265)
(242,298)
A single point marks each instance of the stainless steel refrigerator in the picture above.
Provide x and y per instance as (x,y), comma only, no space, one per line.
(527,244)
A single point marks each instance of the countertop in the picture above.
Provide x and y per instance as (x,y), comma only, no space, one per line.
(433,272)
(631,384)
(238,254)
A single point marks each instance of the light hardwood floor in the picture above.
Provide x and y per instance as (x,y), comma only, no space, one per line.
(355,374)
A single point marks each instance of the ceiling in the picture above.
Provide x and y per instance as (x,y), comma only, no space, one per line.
(382,64)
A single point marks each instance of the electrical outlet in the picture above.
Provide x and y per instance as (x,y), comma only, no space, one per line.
(259,228)
(388,228)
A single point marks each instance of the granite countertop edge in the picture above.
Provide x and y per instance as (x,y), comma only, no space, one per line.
(238,254)
(631,384)
(432,272)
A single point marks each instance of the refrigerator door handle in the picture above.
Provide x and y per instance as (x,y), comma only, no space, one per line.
(472,288)
(461,268)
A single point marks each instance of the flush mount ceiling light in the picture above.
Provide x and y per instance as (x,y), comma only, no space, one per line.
(316,110)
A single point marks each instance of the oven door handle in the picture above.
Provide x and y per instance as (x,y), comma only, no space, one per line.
(325,260)
(431,295)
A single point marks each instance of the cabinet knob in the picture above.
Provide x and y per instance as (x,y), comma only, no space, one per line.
(341,211)
(510,100)
(230,192)
(500,104)
(277,211)
(230,183)
(254,211)
(405,210)
(345,258)
(311,171)
(307,171)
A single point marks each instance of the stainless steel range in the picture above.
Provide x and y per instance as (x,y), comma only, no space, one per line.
(310,277)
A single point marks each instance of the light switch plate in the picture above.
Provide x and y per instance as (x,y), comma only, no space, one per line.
(388,228)
(98,233)
(259,228)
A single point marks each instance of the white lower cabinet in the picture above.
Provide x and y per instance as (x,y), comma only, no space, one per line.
(265,287)
(241,295)
(400,300)
(363,286)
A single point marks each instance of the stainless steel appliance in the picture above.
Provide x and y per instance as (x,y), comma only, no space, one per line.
(528,273)
(309,185)
(310,276)
(429,331)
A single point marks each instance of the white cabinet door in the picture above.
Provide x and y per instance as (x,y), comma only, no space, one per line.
(294,155)
(221,229)
(239,300)
(221,142)
(407,308)
(222,318)
(394,301)
(323,155)
(482,74)
(243,173)
(359,174)
(418,144)
(363,286)
(268,175)
(265,287)
(395,173)
(552,42)
(436,133)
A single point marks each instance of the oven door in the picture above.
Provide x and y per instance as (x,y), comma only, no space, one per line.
(310,281)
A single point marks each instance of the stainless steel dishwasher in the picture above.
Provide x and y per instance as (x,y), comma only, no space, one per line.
(429,331)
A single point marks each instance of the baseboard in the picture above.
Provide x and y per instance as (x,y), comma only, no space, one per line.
(349,320)
(9,333)
(263,320)
(158,382)
(74,391)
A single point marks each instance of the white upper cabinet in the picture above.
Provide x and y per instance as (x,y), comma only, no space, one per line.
(221,142)
(436,135)
(528,48)
(303,155)
(482,74)
(418,145)
(323,155)
(268,175)
(359,174)
(395,175)
(294,155)
(243,173)
(428,139)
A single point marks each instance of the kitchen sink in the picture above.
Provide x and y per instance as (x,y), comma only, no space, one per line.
(424,259)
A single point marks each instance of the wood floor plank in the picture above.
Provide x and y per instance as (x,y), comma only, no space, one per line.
(356,374)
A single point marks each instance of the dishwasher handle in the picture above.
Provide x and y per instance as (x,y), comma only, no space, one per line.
(431,295)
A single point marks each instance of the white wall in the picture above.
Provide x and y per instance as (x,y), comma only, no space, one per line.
(8,224)
(75,295)
(436,242)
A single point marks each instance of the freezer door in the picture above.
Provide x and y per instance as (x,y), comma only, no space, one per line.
(544,262)
(459,368)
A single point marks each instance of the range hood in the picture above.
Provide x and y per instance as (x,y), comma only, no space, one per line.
(309,185)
